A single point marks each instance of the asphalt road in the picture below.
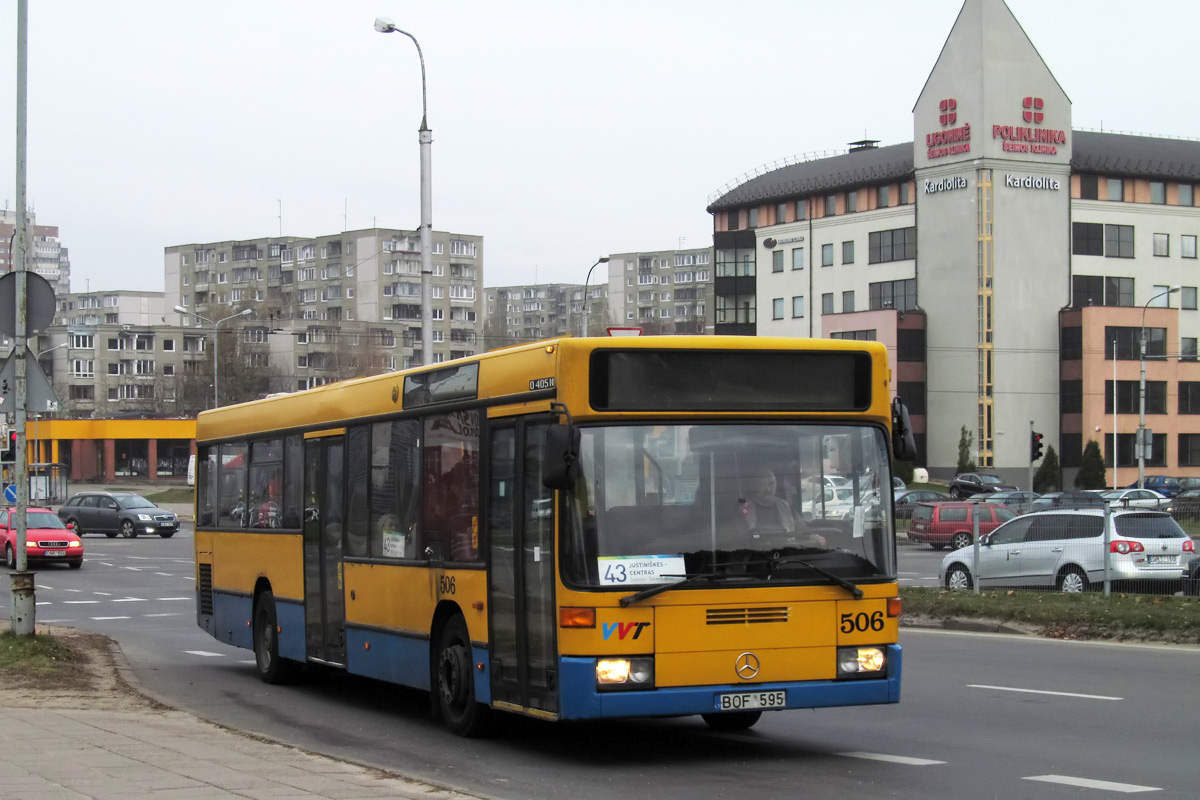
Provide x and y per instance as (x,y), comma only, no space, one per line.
(981,715)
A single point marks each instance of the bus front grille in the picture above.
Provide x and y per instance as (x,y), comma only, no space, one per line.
(746,616)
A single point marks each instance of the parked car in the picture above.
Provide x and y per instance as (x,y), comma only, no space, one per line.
(1191,578)
(47,540)
(942,525)
(1068,500)
(111,513)
(1135,498)
(834,503)
(905,501)
(1064,550)
(1163,484)
(966,484)
(1020,502)
(1188,484)
(1186,503)
(898,484)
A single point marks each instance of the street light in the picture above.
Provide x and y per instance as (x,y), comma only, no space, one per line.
(587,302)
(1141,434)
(425,136)
(37,443)
(242,313)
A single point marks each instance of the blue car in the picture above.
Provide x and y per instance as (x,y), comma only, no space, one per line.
(1163,484)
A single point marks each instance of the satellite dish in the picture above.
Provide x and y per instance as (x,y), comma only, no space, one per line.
(39,302)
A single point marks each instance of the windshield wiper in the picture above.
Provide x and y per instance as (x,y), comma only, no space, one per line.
(663,587)
(776,560)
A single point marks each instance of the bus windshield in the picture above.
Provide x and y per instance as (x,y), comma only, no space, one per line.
(657,503)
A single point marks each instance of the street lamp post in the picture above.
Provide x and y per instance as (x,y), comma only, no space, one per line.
(587,302)
(425,136)
(216,383)
(1141,434)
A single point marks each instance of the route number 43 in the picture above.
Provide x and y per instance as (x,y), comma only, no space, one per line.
(862,622)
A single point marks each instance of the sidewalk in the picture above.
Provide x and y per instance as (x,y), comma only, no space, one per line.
(94,735)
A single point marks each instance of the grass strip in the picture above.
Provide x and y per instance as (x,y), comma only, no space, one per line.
(40,655)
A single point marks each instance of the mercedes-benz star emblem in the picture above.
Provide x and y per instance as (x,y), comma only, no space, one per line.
(746,666)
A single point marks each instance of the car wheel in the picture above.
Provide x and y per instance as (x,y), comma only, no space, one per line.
(111,535)
(961,539)
(271,667)
(10,558)
(732,721)
(958,577)
(934,546)
(954,493)
(78,527)
(166,534)
(454,682)
(127,529)
(75,564)
(1072,581)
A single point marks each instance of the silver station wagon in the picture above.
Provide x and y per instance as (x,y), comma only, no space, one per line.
(1064,550)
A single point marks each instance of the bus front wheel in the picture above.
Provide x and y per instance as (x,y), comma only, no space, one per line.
(271,667)
(454,682)
(732,720)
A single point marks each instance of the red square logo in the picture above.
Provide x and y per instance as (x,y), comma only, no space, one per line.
(948,114)
(1032,109)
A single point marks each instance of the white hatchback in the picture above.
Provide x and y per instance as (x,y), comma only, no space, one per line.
(1064,550)
(1135,498)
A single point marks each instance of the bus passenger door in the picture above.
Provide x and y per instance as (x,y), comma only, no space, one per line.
(324,510)
(524,649)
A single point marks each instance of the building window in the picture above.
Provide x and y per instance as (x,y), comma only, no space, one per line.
(848,252)
(752,217)
(851,202)
(1189,397)
(856,336)
(1125,340)
(904,193)
(1071,343)
(1160,297)
(1118,292)
(1087,239)
(1089,187)
(1187,246)
(1118,241)
(899,244)
(780,213)
(1127,397)
(1116,189)
(847,302)
(731,221)
(1187,297)
(1187,348)
(1186,194)
(1189,449)
(797,307)
(826,255)
(1162,244)
(777,261)
(827,303)
(777,308)
(1070,396)
(910,344)
(797,258)
(1158,192)
(899,295)
(881,197)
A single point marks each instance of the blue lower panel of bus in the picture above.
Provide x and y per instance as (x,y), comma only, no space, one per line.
(231,612)
(580,700)
(397,658)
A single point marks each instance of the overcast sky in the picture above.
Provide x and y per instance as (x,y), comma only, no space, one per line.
(562,130)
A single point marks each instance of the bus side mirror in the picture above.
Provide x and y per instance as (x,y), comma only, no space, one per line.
(904,446)
(560,457)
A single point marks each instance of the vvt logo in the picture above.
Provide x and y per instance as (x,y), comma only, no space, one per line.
(949,111)
(623,629)
(1033,109)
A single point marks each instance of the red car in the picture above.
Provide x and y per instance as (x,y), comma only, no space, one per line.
(46,539)
(942,525)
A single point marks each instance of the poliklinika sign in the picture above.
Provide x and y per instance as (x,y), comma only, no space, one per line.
(1028,139)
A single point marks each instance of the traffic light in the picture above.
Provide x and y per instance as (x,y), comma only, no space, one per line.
(1035,446)
(8,451)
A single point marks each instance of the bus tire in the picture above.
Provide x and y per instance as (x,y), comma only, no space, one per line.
(454,682)
(272,668)
(732,720)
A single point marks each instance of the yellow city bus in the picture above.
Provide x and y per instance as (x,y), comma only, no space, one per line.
(578,528)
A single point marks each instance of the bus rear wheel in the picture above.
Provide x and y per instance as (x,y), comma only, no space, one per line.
(454,682)
(272,668)
(732,720)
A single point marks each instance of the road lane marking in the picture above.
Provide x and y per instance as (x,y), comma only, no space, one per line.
(190,578)
(73,590)
(44,603)
(189,597)
(913,762)
(105,563)
(1042,691)
(133,569)
(204,653)
(129,600)
(165,574)
(1088,783)
(171,614)
(44,586)
(81,602)
(107,618)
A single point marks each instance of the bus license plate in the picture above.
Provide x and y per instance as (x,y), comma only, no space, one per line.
(52,553)
(749,700)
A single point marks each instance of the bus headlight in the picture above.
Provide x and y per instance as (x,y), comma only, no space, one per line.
(860,662)
(624,673)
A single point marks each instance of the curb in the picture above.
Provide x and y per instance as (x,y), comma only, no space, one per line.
(966,625)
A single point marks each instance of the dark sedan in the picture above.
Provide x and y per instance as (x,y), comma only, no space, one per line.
(907,499)
(1069,500)
(111,513)
(966,484)
(1020,502)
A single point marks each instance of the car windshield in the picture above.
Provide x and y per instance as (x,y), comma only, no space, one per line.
(654,503)
(42,520)
(992,479)
(133,501)
(1148,526)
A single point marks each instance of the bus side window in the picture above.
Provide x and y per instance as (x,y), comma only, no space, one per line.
(395,479)
(452,487)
